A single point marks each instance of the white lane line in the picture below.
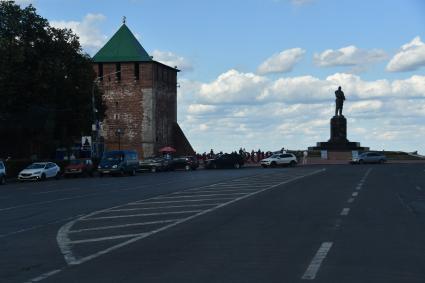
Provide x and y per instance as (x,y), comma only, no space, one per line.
(236,190)
(44,276)
(313,268)
(163,207)
(124,225)
(355,194)
(63,238)
(141,215)
(106,238)
(177,201)
(350,200)
(358,188)
(418,188)
(195,196)
(345,211)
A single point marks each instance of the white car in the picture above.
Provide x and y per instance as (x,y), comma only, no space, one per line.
(39,171)
(280,159)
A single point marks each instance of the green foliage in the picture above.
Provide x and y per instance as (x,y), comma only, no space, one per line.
(46,84)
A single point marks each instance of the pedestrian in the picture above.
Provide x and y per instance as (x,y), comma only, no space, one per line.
(305,155)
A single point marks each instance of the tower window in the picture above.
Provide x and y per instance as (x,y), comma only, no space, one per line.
(118,71)
(136,71)
(100,71)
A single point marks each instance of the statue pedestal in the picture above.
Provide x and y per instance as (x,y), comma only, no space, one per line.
(338,140)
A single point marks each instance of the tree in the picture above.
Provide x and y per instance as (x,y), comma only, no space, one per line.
(46,84)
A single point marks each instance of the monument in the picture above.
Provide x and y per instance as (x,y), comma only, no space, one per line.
(338,140)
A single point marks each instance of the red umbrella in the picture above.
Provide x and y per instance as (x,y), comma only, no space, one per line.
(167,149)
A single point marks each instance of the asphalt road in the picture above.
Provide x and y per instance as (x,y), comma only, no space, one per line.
(306,224)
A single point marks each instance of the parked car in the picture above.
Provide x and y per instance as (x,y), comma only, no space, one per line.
(119,162)
(280,159)
(185,162)
(155,164)
(79,167)
(369,157)
(225,161)
(2,173)
(40,171)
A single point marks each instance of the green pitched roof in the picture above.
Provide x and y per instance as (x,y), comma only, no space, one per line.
(122,47)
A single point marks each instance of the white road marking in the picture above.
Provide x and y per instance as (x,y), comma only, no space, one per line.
(164,207)
(355,194)
(358,188)
(345,211)
(124,225)
(313,268)
(141,215)
(418,188)
(350,200)
(65,245)
(44,276)
(107,238)
(177,201)
(195,196)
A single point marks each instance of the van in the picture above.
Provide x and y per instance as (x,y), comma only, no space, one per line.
(119,162)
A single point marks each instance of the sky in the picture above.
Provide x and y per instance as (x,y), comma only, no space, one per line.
(261,74)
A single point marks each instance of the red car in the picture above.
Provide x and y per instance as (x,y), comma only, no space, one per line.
(79,167)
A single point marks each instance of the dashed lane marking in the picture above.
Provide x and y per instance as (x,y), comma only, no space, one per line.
(355,194)
(345,211)
(44,276)
(319,257)
(350,200)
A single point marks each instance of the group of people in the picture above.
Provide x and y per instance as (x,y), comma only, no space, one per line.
(249,157)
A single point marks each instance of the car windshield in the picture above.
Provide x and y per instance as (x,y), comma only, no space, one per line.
(113,156)
(275,156)
(36,166)
(76,162)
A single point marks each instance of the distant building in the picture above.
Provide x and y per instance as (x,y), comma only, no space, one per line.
(141,98)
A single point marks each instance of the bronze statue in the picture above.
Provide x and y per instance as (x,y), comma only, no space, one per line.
(339,94)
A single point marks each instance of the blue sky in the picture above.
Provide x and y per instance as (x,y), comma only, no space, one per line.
(261,74)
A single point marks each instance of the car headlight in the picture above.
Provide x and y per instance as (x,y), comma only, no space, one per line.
(115,166)
(99,167)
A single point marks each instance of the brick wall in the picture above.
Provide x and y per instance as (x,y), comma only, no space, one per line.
(145,109)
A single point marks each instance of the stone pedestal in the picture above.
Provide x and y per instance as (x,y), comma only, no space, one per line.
(338,140)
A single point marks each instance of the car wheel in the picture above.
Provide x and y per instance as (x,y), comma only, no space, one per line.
(292,163)
(382,161)
(187,168)
(58,176)
(2,180)
(214,166)
(153,169)
(361,161)
(273,164)
(133,172)
(43,177)
(101,175)
(264,165)
(236,165)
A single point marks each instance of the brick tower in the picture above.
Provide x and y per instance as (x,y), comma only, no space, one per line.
(141,98)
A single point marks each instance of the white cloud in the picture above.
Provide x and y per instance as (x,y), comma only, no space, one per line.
(349,56)
(410,58)
(281,62)
(201,109)
(88,30)
(170,59)
(233,87)
(301,2)
(246,110)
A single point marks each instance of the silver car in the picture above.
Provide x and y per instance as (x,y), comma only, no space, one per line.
(369,157)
